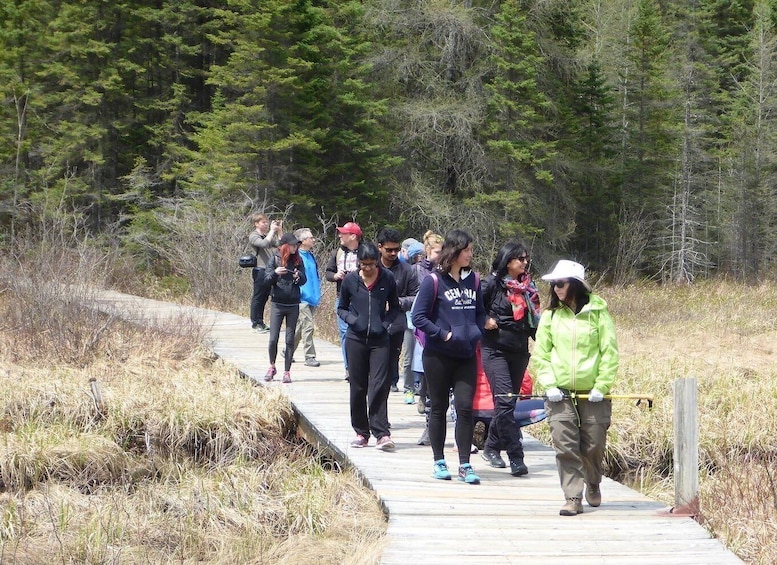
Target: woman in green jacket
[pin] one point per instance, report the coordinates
(576, 353)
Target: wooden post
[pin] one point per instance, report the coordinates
(686, 443)
(97, 396)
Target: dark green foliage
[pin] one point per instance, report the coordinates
(634, 135)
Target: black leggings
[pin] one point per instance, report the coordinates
(442, 374)
(291, 313)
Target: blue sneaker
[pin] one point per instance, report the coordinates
(441, 470)
(467, 474)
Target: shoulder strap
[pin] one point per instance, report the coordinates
(436, 283)
(339, 256)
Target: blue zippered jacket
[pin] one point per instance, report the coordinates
(365, 311)
(456, 307)
(311, 290)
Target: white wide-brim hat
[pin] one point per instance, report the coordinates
(566, 269)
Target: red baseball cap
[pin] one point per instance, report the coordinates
(351, 227)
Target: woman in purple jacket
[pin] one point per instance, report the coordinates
(449, 310)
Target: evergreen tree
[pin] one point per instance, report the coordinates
(747, 210)
(292, 123)
(429, 61)
(594, 185)
(648, 101)
(683, 249)
(22, 24)
(518, 136)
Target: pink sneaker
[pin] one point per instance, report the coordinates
(385, 444)
(286, 377)
(270, 373)
(360, 441)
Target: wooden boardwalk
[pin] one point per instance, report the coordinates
(502, 520)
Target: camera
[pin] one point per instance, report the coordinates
(247, 261)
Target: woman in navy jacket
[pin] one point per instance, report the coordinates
(369, 304)
(449, 310)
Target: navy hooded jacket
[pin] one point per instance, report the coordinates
(457, 307)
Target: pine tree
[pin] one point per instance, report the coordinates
(594, 184)
(22, 23)
(292, 122)
(747, 212)
(517, 134)
(648, 100)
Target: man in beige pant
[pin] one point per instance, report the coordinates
(310, 297)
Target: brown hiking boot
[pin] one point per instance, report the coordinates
(573, 507)
(593, 496)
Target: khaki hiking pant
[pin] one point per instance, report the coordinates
(579, 433)
(305, 330)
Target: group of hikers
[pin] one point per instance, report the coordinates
(424, 298)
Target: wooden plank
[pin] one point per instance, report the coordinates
(503, 520)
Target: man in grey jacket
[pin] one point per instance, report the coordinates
(264, 240)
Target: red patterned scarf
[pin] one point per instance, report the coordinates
(523, 297)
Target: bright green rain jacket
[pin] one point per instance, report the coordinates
(576, 352)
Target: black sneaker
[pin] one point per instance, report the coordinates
(394, 388)
(493, 458)
(518, 468)
(262, 328)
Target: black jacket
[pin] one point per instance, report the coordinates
(511, 335)
(365, 311)
(407, 288)
(285, 288)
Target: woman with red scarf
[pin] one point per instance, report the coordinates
(512, 312)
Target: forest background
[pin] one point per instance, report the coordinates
(637, 136)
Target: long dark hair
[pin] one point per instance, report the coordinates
(455, 242)
(576, 288)
(509, 251)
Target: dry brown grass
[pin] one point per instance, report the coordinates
(186, 463)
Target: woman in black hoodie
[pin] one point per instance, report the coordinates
(369, 304)
(285, 273)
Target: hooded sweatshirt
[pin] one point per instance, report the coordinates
(364, 309)
(456, 307)
(577, 352)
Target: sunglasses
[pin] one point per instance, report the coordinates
(523, 259)
(391, 249)
(559, 284)
(367, 266)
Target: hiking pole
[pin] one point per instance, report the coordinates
(638, 397)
